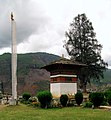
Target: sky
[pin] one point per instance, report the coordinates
(41, 24)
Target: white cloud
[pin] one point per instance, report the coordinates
(41, 24)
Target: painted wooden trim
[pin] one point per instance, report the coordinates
(62, 75)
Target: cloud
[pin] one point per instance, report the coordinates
(48, 41)
(107, 59)
(30, 19)
(41, 24)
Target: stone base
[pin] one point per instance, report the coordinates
(13, 101)
(57, 89)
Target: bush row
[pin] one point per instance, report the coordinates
(45, 98)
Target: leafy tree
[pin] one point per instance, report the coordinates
(82, 45)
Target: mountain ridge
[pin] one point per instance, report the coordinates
(29, 77)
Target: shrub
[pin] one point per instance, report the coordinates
(107, 95)
(88, 104)
(96, 98)
(109, 99)
(44, 98)
(70, 104)
(79, 98)
(63, 100)
(26, 96)
(104, 103)
(24, 101)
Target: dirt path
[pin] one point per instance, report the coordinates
(2, 106)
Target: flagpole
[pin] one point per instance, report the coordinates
(14, 61)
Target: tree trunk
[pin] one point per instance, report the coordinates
(83, 84)
(84, 88)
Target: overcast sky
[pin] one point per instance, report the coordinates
(41, 24)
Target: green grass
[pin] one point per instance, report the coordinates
(22, 112)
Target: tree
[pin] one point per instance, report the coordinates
(82, 45)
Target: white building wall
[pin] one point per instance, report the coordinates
(63, 88)
(55, 89)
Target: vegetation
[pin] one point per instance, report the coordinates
(109, 99)
(44, 98)
(1, 95)
(107, 95)
(107, 76)
(26, 96)
(88, 104)
(34, 61)
(96, 98)
(25, 64)
(82, 45)
(79, 98)
(63, 100)
(23, 112)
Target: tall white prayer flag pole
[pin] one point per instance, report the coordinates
(14, 60)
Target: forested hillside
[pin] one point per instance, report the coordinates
(107, 76)
(29, 77)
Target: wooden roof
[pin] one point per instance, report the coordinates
(65, 61)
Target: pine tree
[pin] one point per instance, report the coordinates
(82, 45)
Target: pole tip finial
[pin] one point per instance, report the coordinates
(12, 16)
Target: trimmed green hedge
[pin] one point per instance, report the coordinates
(63, 100)
(26, 96)
(96, 98)
(79, 98)
(44, 98)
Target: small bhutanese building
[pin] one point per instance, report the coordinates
(63, 76)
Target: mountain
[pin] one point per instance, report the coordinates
(30, 77)
(107, 76)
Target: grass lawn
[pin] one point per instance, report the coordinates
(22, 112)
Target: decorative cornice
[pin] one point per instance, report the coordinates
(62, 75)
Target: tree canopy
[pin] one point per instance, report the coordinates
(82, 45)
